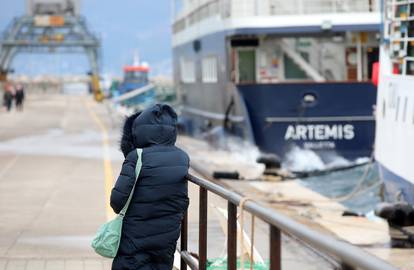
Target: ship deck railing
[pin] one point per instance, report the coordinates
(199, 11)
(346, 255)
(300, 7)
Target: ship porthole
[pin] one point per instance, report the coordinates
(309, 99)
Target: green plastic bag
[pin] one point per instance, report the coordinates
(221, 264)
(107, 239)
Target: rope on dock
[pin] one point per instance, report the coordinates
(241, 205)
(358, 188)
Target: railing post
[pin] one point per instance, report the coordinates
(184, 239)
(202, 234)
(275, 248)
(345, 266)
(231, 236)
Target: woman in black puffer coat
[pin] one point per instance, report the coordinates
(152, 223)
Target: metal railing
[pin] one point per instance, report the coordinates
(245, 8)
(194, 14)
(275, 7)
(347, 255)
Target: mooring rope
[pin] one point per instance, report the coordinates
(241, 205)
(358, 188)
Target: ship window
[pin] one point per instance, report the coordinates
(309, 99)
(245, 42)
(209, 66)
(398, 109)
(405, 109)
(187, 70)
(413, 115)
(292, 70)
(136, 76)
(384, 108)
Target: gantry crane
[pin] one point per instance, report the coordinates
(51, 26)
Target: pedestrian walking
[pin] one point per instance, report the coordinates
(8, 96)
(19, 97)
(152, 223)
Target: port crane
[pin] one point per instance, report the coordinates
(51, 26)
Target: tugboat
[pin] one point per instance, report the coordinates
(395, 120)
(135, 88)
(283, 74)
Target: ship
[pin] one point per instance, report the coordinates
(395, 105)
(395, 121)
(135, 89)
(281, 74)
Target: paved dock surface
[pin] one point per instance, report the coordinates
(58, 160)
(52, 191)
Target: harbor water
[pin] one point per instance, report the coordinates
(359, 188)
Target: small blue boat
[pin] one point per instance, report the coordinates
(136, 79)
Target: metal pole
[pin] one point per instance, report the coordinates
(359, 57)
(184, 239)
(231, 236)
(202, 234)
(275, 248)
(189, 259)
(173, 11)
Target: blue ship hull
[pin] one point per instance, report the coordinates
(126, 87)
(339, 121)
(274, 115)
(397, 188)
(147, 98)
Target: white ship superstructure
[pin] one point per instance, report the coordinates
(196, 18)
(395, 105)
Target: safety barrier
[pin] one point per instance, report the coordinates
(347, 255)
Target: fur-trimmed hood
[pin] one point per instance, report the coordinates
(127, 144)
(156, 125)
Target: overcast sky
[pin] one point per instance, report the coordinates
(124, 26)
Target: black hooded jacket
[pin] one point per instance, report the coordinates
(151, 225)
